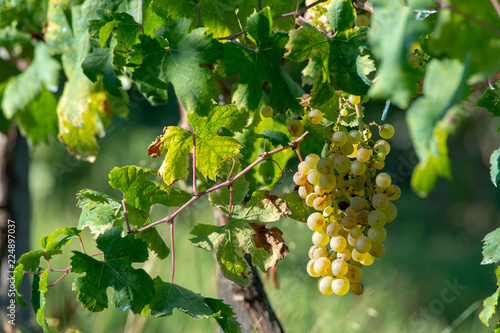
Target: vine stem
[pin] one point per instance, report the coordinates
(126, 215)
(227, 183)
(496, 5)
(195, 191)
(173, 251)
(486, 25)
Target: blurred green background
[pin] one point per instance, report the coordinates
(430, 279)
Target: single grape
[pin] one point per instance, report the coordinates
(357, 288)
(380, 201)
(299, 179)
(363, 244)
(327, 211)
(393, 192)
(328, 182)
(369, 259)
(378, 165)
(349, 222)
(356, 232)
(310, 199)
(354, 99)
(332, 230)
(347, 149)
(339, 138)
(338, 243)
(325, 166)
(362, 155)
(310, 268)
(377, 250)
(305, 190)
(344, 255)
(342, 164)
(316, 221)
(362, 216)
(344, 112)
(358, 203)
(303, 168)
(315, 116)
(296, 128)
(383, 143)
(319, 203)
(322, 265)
(325, 285)
(340, 286)
(339, 267)
(311, 161)
(362, 21)
(391, 213)
(266, 111)
(319, 238)
(354, 136)
(383, 180)
(313, 177)
(376, 219)
(377, 235)
(354, 274)
(358, 168)
(386, 131)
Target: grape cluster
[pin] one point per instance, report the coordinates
(353, 205)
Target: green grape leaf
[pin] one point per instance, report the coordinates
(491, 100)
(299, 210)
(341, 63)
(176, 58)
(279, 7)
(490, 303)
(38, 291)
(100, 62)
(133, 288)
(394, 30)
(495, 167)
(38, 120)
(211, 149)
(52, 245)
(98, 211)
(277, 138)
(25, 87)
(255, 66)
(121, 25)
(341, 15)
(491, 247)
(482, 52)
(18, 279)
(84, 108)
(308, 43)
(230, 242)
(169, 296)
(151, 20)
(141, 193)
(218, 16)
(444, 86)
(222, 197)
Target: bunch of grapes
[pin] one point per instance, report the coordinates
(353, 205)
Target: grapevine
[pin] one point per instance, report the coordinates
(257, 83)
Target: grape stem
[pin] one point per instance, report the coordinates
(227, 183)
(359, 116)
